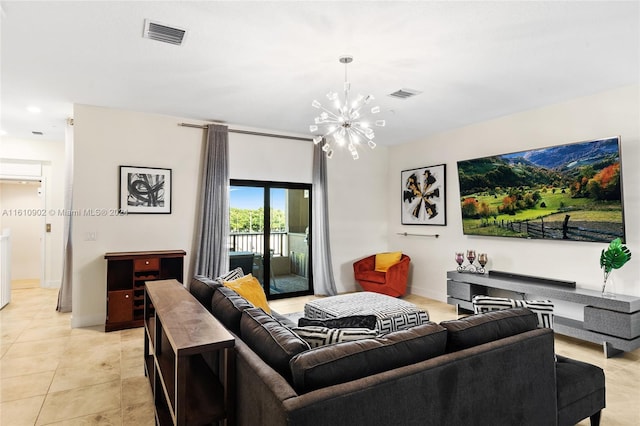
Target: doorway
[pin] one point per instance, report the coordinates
(272, 243)
(23, 215)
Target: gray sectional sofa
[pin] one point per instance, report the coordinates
(495, 369)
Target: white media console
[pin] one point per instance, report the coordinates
(612, 322)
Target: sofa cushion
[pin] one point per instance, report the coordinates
(319, 336)
(227, 306)
(352, 321)
(386, 260)
(482, 328)
(250, 288)
(343, 362)
(275, 343)
(372, 276)
(202, 289)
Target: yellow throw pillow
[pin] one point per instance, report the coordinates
(385, 260)
(250, 288)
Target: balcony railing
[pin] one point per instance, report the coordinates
(254, 242)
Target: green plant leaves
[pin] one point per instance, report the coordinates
(615, 256)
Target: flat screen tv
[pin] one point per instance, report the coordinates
(565, 192)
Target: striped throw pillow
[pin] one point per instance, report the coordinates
(317, 336)
(542, 308)
(234, 274)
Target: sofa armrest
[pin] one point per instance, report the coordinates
(400, 270)
(364, 265)
(260, 390)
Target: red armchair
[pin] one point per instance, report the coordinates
(392, 283)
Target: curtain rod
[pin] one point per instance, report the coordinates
(248, 132)
(418, 235)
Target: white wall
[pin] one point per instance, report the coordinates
(104, 140)
(358, 208)
(364, 211)
(107, 138)
(48, 155)
(615, 112)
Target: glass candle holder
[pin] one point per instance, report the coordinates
(471, 256)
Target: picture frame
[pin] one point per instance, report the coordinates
(424, 196)
(145, 190)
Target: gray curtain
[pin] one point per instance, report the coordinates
(323, 281)
(212, 256)
(66, 287)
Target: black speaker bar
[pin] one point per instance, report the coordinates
(533, 279)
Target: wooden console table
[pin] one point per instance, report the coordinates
(612, 322)
(178, 332)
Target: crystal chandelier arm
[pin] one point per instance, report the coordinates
(335, 118)
(331, 131)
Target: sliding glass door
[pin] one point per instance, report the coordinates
(272, 243)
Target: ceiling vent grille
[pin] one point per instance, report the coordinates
(404, 93)
(163, 33)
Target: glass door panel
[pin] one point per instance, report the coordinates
(289, 241)
(246, 233)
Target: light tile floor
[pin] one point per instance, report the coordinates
(51, 374)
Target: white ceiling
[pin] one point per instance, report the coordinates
(260, 64)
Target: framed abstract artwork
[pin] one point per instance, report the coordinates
(423, 196)
(145, 190)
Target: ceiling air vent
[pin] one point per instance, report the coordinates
(404, 93)
(163, 33)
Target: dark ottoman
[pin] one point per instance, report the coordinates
(580, 388)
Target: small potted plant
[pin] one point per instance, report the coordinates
(614, 257)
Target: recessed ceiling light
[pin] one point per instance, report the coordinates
(3, 132)
(33, 109)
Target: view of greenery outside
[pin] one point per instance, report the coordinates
(247, 220)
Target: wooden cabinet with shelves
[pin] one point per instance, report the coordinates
(186, 390)
(127, 273)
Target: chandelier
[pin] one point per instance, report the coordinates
(346, 124)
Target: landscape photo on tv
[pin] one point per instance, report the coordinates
(565, 192)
